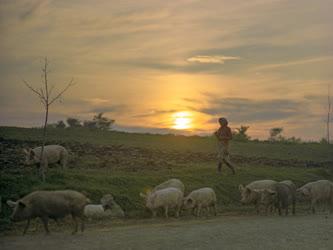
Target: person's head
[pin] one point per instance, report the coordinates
(223, 121)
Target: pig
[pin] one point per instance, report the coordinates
(98, 211)
(107, 201)
(251, 193)
(52, 154)
(116, 211)
(201, 198)
(280, 197)
(175, 183)
(49, 205)
(165, 198)
(316, 192)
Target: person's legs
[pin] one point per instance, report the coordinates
(226, 160)
(219, 167)
(219, 157)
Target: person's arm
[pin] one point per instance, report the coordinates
(217, 134)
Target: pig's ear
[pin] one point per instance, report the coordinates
(305, 191)
(11, 204)
(22, 204)
(241, 187)
(248, 190)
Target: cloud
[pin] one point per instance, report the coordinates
(109, 109)
(245, 110)
(150, 130)
(128, 53)
(211, 59)
(32, 8)
(293, 63)
(87, 106)
(154, 112)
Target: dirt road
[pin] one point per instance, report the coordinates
(224, 232)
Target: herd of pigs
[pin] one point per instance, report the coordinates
(268, 195)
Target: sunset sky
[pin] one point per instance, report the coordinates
(165, 66)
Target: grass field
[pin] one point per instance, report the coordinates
(304, 151)
(96, 171)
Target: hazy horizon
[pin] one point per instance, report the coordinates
(157, 66)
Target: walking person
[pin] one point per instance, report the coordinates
(224, 135)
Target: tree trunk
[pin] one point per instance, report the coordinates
(42, 165)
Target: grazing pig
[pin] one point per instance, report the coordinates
(175, 183)
(49, 205)
(251, 193)
(165, 198)
(51, 154)
(107, 201)
(280, 197)
(94, 211)
(317, 191)
(98, 211)
(201, 198)
(116, 211)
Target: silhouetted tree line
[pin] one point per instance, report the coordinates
(275, 135)
(99, 122)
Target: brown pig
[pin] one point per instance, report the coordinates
(49, 205)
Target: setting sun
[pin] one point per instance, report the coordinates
(182, 120)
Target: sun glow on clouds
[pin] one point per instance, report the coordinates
(211, 59)
(182, 120)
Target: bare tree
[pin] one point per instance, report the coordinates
(329, 110)
(45, 95)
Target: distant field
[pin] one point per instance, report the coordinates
(126, 164)
(306, 151)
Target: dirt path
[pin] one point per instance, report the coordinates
(226, 232)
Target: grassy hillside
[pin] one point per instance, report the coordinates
(305, 151)
(142, 161)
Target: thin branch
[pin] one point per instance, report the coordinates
(45, 79)
(71, 83)
(35, 91)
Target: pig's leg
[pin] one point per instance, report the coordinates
(178, 211)
(313, 204)
(45, 221)
(279, 208)
(166, 211)
(26, 227)
(215, 210)
(75, 224)
(198, 210)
